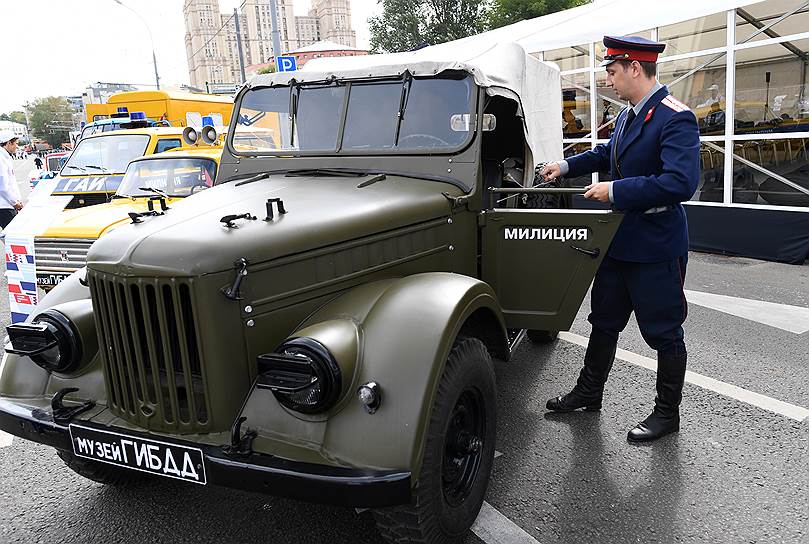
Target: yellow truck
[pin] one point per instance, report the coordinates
(152, 181)
(174, 107)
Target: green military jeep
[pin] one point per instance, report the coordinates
(321, 323)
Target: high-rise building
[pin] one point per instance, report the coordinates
(307, 28)
(210, 38)
(204, 43)
(334, 18)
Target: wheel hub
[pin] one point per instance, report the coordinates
(463, 447)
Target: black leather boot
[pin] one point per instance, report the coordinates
(590, 386)
(665, 418)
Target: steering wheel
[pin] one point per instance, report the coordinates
(429, 137)
(198, 185)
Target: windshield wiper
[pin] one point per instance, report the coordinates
(96, 167)
(335, 172)
(293, 111)
(155, 191)
(121, 195)
(403, 99)
(82, 168)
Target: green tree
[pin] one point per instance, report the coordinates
(51, 119)
(266, 70)
(506, 12)
(406, 24)
(17, 117)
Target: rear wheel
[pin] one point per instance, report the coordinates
(458, 454)
(100, 472)
(543, 337)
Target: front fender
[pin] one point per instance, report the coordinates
(406, 329)
(20, 377)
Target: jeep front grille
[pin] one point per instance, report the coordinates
(151, 352)
(61, 254)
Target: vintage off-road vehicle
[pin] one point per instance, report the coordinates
(321, 323)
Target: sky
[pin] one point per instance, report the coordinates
(59, 47)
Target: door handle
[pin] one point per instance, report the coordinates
(593, 253)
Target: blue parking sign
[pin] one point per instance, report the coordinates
(285, 64)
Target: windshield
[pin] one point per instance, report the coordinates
(175, 177)
(106, 154)
(409, 114)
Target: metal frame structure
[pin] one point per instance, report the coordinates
(716, 142)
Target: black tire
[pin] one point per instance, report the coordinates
(101, 472)
(451, 485)
(543, 337)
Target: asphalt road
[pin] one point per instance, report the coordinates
(735, 473)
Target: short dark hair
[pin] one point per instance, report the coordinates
(649, 69)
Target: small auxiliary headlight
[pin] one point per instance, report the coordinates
(302, 374)
(370, 396)
(50, 340)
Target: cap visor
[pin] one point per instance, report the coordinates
(607, 62)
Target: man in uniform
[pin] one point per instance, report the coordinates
(653, 156)
(10, 199)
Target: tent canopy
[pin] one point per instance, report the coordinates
(590, 22)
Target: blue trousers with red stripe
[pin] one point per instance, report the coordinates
(654, 291)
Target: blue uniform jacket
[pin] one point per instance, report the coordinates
(655, 167)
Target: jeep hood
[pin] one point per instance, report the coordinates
(191, 240)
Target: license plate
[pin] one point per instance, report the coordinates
(143, 454)
(50, 280)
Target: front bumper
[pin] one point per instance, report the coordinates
(251, 472)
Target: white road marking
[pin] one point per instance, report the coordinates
(5, 439)
(782, 316)
(764, 402)
(494, 528)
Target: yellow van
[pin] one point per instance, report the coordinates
(169, 176)
(173, 107)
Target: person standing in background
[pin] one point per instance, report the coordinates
(10, 198)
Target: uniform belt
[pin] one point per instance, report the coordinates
(659, 209)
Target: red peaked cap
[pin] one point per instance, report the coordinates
(631, 48)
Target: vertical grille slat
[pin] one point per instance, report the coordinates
(181, 344)
(154, 359)
(194, 355)
(165, 346)
(110, 349)
(104, 341)
(150, 351)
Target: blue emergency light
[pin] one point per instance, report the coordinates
(137, 116)
(122, 109)
(207, 121)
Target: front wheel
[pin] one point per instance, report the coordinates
(458, 454)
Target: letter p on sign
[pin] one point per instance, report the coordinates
(286, 64)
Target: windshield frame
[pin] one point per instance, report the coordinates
(135, 163)
(339, 151)
(94, 172)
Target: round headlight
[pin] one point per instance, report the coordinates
(66, 353)
(322, 382)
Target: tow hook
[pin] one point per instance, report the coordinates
(232, 292)
(240, 445)
(60, 413)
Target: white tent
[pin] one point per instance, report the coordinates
(590, 22)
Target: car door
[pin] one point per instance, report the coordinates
(540, 262)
